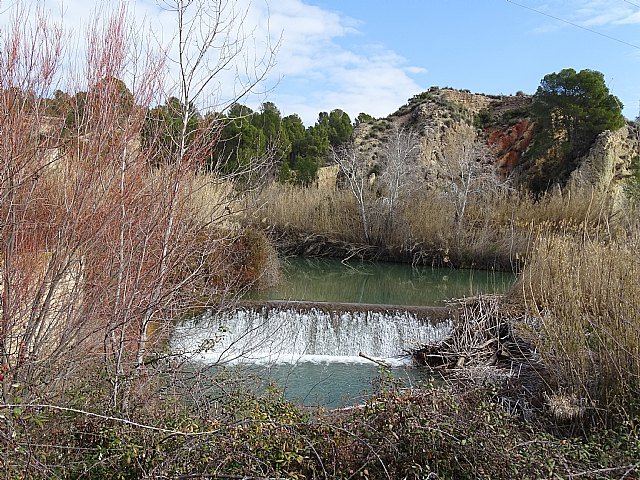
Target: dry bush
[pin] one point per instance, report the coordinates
(425, 227)
(99, 247)
(310, 210)
(496, 230)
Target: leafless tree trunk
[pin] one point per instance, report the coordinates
(399, 172)
(96, 243)
(469, 171)
(355, 172)
(28, 71)
(210, 39)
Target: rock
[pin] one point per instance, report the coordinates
(497, 129)
(606, 165)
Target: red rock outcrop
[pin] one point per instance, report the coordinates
(509, 143)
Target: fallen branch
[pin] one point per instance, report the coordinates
(382, 363)
(629, 470)
(227, 476)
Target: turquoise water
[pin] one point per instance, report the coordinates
(313, 356)
(330, 384)
(329, 280)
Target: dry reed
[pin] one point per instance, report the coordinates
(587, 294)
(496, 230)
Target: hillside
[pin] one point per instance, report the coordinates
(494, 132)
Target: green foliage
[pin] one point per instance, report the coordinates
(115, 93)
(163, 130)
(310, 148)
(307, 150)
(297, 151)
(453, 110)
(340, 128)
(432, 432)
(109, 94)
(422, 97)
(241, 141)
(59, 104)
(74, 112)
(570, 110)
(363, 118)
(513, 116)
(484, 118)
(269, 121)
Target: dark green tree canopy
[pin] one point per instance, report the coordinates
(570, 110)
(340, 127)
(241, 141)
(362, 118)
(116, 92)
(579, 104)
(163, 127)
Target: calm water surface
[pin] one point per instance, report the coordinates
(329, 280)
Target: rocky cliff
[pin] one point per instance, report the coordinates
(494, 131)
(606, 166)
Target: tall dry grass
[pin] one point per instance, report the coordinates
(586, 292)
(496, 231)
(311, 210)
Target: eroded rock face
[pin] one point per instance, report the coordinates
(497, 130)
(443, 139)
(508, 144)
(472, 102)
(606, 166)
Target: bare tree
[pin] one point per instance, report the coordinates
(28, 71)
(399, 172)
(356, 173)
(469, 170)
(99, 247)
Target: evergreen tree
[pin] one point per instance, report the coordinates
(163, 128)
(340, 128)
(570, 110)
(241, 140)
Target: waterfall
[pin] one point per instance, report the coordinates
(290, 336)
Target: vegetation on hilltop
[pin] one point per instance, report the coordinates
(570, 110)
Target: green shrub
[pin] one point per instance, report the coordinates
(437, 431)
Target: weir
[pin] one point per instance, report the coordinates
(307, 334)
(293, 332)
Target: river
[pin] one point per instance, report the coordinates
(312, 351)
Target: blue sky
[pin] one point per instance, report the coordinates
(372, 55)
(393, 50)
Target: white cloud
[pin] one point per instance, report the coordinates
(325, 56)
(416, 70)
(595, 13)
(323, 59)
(586, 13)
(633, 18)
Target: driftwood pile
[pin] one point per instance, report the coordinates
(291, 242)
(481, 336)
(483, 349)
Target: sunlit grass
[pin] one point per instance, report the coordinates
(587, 295)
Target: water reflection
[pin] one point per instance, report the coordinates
(329, 280)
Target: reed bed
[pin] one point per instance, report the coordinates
(495, 232)
(587, 295)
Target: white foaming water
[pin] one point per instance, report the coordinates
(289, 336)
